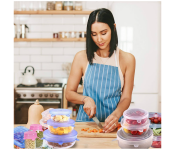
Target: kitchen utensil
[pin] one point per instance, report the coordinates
(62, 34)
(78, 5)
(60, 115)
(131, 129)
(23, 30)
(34, 113)
(82, 34)
(50, 5)
(97, 122)
(60, 141)
(163, 142)
(134, 142)
(15, 33)
(60, 128)
(68, 5)
(58, 5)
(72, 34)
(55, 35)
(28, 78)
(162, 118)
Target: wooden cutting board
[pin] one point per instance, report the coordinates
(92, 125)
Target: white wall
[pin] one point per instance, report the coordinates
(139, 32)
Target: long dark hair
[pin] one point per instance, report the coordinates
(105, 16)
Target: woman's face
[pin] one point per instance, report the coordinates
(101, 35)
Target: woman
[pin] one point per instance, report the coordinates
(107, 73)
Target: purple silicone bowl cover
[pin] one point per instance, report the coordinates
(61, 124)
(66, 112)
(60, 139)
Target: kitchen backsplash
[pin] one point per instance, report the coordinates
(48, 57)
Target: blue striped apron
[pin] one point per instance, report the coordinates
(101, 83)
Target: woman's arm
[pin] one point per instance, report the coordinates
(125, 99)
(80, 61)
(74, 80)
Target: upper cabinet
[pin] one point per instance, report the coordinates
(139, 33)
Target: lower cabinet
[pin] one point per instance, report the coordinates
(148, 102)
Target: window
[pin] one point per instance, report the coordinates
(126, 39)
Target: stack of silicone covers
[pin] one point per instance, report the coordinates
(60, 132)
(163, 126)
(135, 132)
(19, 142)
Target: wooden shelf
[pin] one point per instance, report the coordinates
(51, 40)
(52, 12)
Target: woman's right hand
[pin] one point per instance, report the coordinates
(89, 107)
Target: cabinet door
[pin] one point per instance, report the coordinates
(139, 33)
(148, 102)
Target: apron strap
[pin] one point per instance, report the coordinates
(115, 59)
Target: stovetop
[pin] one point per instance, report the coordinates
(42, 85)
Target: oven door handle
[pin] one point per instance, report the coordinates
(41, 102)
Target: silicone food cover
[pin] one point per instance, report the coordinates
(163, 142)
(162, 118)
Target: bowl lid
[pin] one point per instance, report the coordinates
(46, 112)
(35, 127)
(19, 144)
(60, 139)
(59, 111)
(43, 124)
(30, 135)
(140, 127)
(135, 114)
(134, 138)
(61, 124)
(20, 129)
(161, 115)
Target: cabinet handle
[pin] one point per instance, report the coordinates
(132, 102)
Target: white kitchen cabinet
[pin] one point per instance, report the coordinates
(139, 33)
(148, 102)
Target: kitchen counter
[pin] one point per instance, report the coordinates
(92, 143)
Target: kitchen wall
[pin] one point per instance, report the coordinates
(47, 57)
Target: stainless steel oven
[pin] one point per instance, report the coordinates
(47, 91)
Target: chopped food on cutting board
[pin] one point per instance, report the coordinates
(96, 130)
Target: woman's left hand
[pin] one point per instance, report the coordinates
(111, 123)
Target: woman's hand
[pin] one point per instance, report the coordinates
(111, 123)
(89, 107)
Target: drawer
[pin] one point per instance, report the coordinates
(148, 102)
